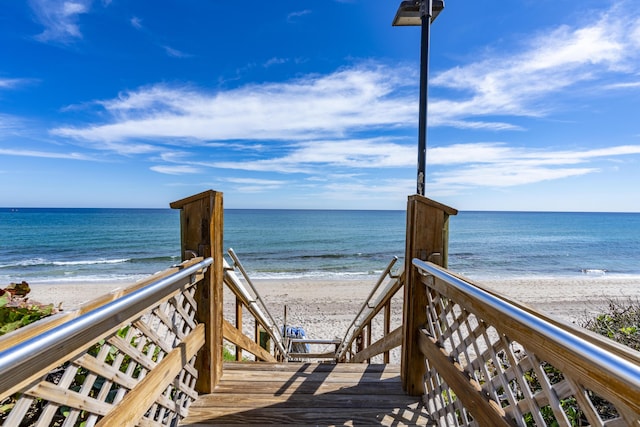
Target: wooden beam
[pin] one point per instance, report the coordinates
(387, 327)
(386, 343)
(485, 411)
(201, 228)
(230, 333)
(238, 326)
(426, 239)
(137, 402)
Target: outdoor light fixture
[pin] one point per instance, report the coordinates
(408, 13)
(422, 13)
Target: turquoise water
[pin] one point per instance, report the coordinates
(49, 245)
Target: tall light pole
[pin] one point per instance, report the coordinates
(420, 13)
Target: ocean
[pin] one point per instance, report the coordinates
(98, 245)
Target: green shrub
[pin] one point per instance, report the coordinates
(621, 322)
(17, 311)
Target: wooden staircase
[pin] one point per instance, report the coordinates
(308, 394)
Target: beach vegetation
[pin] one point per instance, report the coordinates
(620, 322)
(16, 310)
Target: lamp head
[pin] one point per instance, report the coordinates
(409, 12)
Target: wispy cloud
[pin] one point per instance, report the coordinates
(453, 167)
(308, 108)
(255, 185)
(275, 61)
(136, 23)
(175, 169)
(624, 85)
(293, 16)
(310, 157)
(521, 84)
(508, 85)
(320, 123)
(498, 165)
(175, 53)
(59, 18)
(13, 83)
(44, 154)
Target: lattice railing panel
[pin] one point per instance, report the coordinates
(478, 362)
(87, 387)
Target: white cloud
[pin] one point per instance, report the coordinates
(255, 181)
(136, 23)
(175, 52)
(497, 165)
(275, 61)
(304, 157)
(504, 175)
(12, 83)
(44, 154)
(339, 104)
(316, 123)
(59, 18)
(255, 185)
(175, 169)
(624, 85)
(8, 122)
(522, 83)
(312, 107)
(295, 15)
(450, 169)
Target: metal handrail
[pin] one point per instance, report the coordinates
(35, 354)
(258, 311)
(619, 367)
(387, 272)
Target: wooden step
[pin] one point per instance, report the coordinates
(308, 394)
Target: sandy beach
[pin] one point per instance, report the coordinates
(326, 308)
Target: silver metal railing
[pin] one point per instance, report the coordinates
(35, 353)
(605, 360)
(367, 305)
(255, 303)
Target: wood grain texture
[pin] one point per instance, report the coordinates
(388, 342)
(136, 403)
(235, 336)
(308, 394)
(478, 402)
(425, 239)
(201, 231)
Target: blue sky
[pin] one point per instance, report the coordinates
(533, 105)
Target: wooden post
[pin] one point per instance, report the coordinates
(387, 327)
(427, 239)
(238, 327)
(201, 229)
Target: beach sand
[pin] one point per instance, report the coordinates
(326, 308)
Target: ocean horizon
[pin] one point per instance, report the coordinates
(60, 245)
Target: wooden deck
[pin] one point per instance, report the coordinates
(308, 394)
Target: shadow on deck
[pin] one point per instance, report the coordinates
(308, 394)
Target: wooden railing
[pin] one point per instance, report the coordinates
(137, 356)
(140, 356)
(370, 333)
(126, 358)
(492, 361)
